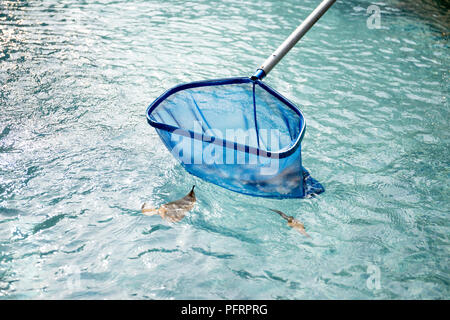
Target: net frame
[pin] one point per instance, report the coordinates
(294, 149)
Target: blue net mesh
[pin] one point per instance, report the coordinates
(237, 133)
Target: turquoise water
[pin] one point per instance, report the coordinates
(77, 158)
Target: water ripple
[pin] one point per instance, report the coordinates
(77, 158)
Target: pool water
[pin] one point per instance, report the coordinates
(77, 157)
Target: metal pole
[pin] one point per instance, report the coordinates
(292, 39)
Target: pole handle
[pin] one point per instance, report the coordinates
(292, 40)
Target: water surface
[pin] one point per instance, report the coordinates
(77, 158)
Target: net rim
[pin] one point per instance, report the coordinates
(222, 142)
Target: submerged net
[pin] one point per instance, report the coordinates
(237, 133)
